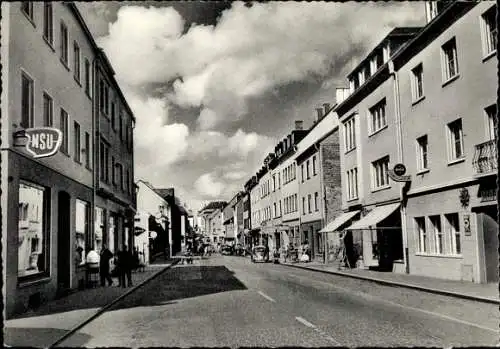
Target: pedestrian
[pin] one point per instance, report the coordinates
(129, 265)
(105, 256)
(121, 266)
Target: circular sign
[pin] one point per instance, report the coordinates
(152, 234)
(399, 169)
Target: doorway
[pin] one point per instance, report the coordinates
(490, 233)
(63, 241)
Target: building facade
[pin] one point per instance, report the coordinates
(50, 65)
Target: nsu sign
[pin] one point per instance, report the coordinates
(42, 141)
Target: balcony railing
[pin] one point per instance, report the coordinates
(485, 157)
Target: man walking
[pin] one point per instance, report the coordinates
(106, 256)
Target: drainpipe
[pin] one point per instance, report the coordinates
(402, 186)
(94, 162)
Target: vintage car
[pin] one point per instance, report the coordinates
(226, 250)
(259, 254)
(239, 250)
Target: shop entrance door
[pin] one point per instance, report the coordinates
(63, 241)
(490, 231)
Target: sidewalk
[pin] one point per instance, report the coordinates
(51, 320)
(488, 293)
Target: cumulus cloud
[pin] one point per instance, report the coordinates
(208, 185)
(250, 51)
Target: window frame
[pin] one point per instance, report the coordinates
(438, 234)
(377, 177)
(31, 101)
(445, 61)
(29, 12)
(45, 228)
(316, 199)
(86, 230)
(48, 23)
(64, 43)
(352, 184)
(88, 77)
(488, 37)
(88, 151)
(452, 156)
(453, 235)
(422, 235)
(64, 127)
(350, 134)
(314, 165)
(378, 119)
(77, 145)
(417, 83)
(422, 156)
(491, 115)
(77, 62)
(48, 118)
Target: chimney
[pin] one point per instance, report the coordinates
(319, 115)
(327, 108)
(298, 124)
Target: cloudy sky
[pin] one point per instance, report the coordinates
(215, 85)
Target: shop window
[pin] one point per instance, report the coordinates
(33, 248)
(438, 234)
(82, 230)
(422, 234)
(454, 233)
(99, 228)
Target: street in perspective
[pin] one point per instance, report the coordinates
(249, 174)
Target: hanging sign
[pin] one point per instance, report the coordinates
(397, 173)
(43, 141)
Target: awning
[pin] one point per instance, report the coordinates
(339, 221)
(375, 216)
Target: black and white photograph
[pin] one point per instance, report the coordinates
(249, 174)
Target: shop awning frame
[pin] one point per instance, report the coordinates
(377, 215)
(339, 221)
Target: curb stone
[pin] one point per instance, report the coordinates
(399, 284)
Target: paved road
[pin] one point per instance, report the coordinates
(228, 301)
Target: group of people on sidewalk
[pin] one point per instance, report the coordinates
(125, 261)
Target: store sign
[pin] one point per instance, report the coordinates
(397, 178)
(43, 141)
(399, 169)
(467, 225)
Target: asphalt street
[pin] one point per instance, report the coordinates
(230, 301)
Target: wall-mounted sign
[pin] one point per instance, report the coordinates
(399, 169)
(467, 225)
(397, 178)
(43, 141)
(464, 197)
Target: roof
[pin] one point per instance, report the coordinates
(164, 192)
(214, 205)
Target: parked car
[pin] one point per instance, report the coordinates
(259, 254)
(226, 250)
(239, 250)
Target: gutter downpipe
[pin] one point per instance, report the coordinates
(94, 156)
(402, 185)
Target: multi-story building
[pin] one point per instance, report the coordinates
(249, 214)
(50, 63)
(177, 222)
(205, 215)
(229, 221)
(447, 81)
(239, 228)
(368, 129)
(318, 159)
(153, 214)
(217, 232)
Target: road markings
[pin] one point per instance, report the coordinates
(304, 322)
(370, 297)
(266, 296)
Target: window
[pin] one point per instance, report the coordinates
(113, 116)
(274, 183)
(120, 125)
(128, 182)
(492, 116)
(99, 228)
(302, 171)
(316, 208)
(48, 22)
(489, 25)
(104, 97)
(48, 110)
(104, 157)
(64, 118)
(422, 153)
(82, 217)
(352, 183)
(87, 77)
(417, 82)
(303, 205)
(33, 248)
(454, 233)
(432, 10)
(314, 165)
(77, 145)
(438, 234)
(120, 177)
(349, 134)
(295, 203)
(275, 210)
(377, 116)
(27, 102)
(422, 234)
(113, 173)
(455, 137)
(309, 203)
(27, 8)
(281, 212)
(450, 61)
(380, 173)
(64, 44)
(307, 169)
(76, 61)
(87, 150)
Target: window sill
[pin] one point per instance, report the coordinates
(88, 95)
(65, 64)
(452, 256)
(421, 172)
(418, 100)
(378, 131)
(450, 80)
(77, 81)
(27, 283)
(349, 150)
(456, 161)
(352, 199)
(78, 161)
(489, 55)
(385, 187)
(49, 44)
